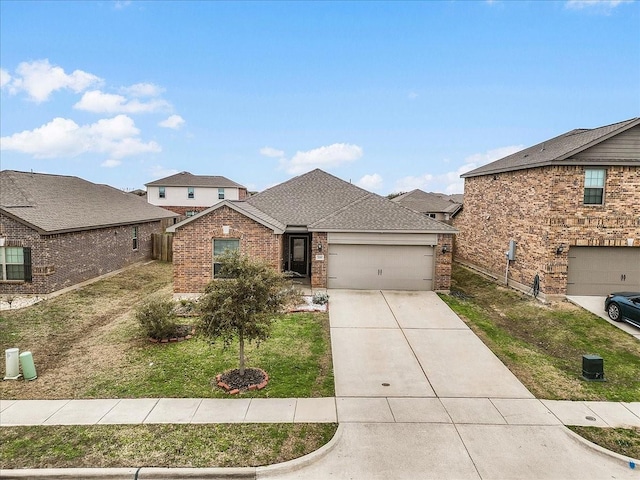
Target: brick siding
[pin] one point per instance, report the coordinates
(193, 246)
(442, 278)
(319, 267)
(542, 208)
(62, 260)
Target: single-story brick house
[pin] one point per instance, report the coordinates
(322, 228)
(569, 205)
(57, 231)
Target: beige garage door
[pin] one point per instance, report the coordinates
(380, 267)
(602, 270)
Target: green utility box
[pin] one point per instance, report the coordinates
(28, 367)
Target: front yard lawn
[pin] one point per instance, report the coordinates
(87, 344)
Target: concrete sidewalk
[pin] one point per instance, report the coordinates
(480, 411)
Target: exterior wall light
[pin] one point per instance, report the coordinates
(560, 249)
(319, 247)
(445, 248)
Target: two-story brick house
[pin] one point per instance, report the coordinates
(187, 194)
(57, 231)
(570, 207)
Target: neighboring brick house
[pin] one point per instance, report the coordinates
(187, 194)
(318, 227)
(571, 205)
(57, 231)
(435, 205)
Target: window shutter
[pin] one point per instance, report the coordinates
(27, 264)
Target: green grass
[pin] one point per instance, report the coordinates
(543, 344)
(296, 357)
(241, 445)
(622, 440)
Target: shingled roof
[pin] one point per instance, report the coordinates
(320, 201)
(186, 179)
(425, 202)
(307, 198)
(58, 204)
(559, 150)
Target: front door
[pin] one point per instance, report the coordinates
(299, 255)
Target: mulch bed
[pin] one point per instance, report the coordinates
(181, 333)
(234, 383)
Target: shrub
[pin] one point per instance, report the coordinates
(320, 298)
(156, 318)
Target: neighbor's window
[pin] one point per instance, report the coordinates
(15, 263)
(221, 194)
(134, 237)
(221, 245)
(191, 192)
(190, 213)
(594, 186)
(161, 192)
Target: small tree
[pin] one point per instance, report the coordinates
(243, 301)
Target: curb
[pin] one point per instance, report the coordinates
(601, 450)
(156, 473)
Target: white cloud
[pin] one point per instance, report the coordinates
(271, 152)
(5, 78)
(450, 182)
(99, 102)
(120, 4)
(111, 163)
(412, 95)
(174, 122)
(601, 5)
(39, 79)
(370, 182)
(117, 137)
(143, 90)
(323, 157)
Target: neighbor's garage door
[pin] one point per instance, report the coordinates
(380, 267)
(602, 270)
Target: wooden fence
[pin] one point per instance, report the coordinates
(162, 246)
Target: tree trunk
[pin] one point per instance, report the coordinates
(241, 354)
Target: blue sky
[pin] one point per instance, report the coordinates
(390, 95)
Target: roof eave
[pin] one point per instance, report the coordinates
(277, 229)
(551, 163)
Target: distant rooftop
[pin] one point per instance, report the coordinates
(186, 179)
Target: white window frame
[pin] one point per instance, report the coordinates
(590, 184)
(191, 192)
(162, 192)
(4, 264)
(220, 193)
(134, 238)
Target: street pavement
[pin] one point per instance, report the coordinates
(418, 395)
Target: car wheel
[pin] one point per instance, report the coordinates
(614, 312)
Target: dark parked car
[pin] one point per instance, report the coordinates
(624, 307)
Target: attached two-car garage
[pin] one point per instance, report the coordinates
(602, 270)
(377, 261)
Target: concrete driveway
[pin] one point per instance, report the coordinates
(451, 409)
(595, 304)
